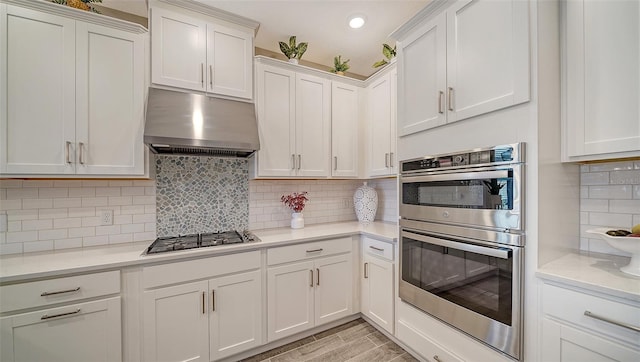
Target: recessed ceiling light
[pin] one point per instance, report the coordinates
(356, 21)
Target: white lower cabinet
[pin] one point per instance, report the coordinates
(376, 301)
(204, 320)
(73, 330)
(310, 289)
(569, 334)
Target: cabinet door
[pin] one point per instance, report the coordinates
(176, 323)
(562, 343)
(313, 124)
(229, 62)
(178, 50)
(334, 289)
(344, 130)
(487, 56)
(290, 299)
(377, 291)
(81, 332)
(380, 126)
(602, 77)
(235, 321)
(37, 92)
(422, 82)
(275, 96)
(109, 102)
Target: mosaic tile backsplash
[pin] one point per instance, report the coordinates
(609, 197)
(201, 194)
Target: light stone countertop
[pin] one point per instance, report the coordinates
(596, 272)
(22, 267)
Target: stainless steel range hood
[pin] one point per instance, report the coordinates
(194, 124)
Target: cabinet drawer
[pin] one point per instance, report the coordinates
(378, 248)
(60, 290)
(423, 344)
(185, 271)
(315, 249)
(570, 306)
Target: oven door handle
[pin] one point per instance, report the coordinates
(457, 176)
(501, 253)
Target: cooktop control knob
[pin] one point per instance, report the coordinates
(458, 159)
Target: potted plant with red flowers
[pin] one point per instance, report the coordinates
(296, 202)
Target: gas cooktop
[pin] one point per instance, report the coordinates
(193, 241)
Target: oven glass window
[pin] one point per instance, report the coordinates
(477, 282)
(489, 193)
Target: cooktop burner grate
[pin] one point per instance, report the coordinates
(184, 242)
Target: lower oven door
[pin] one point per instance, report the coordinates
(472, 285)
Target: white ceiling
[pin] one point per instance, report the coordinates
(321, 23)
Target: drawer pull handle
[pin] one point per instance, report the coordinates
(450, 94)
(318, 281)
(67, 152)
(314, 250)
(311, 278)
(46, 316)
(440, 97)
(213, 300)
(44, 294)
(605, 319)
(436, 358)
(204, 310)
(376, 249)
(366, 269)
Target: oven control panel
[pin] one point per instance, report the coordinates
(476, 157)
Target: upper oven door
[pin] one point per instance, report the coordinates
(489, 197)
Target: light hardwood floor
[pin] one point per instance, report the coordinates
(353, 341)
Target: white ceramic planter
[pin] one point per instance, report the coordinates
(297, 220)
(365, 201)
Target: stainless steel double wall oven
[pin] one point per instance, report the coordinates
(462, 241)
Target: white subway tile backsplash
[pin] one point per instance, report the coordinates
(95, 201)
(67, 202)
(132, 191)
(13, 248)
(81, 232)
(22, 236)
(146, 236)
(594, 205)
(65, 223)
(610, 192)
(611, 166)
(625, 206)
(10, 184)
(132, 209)
(594, 178)
(28, 225)
(67, 183)
(82, 211)
(144, 200)
(67, 243)
(15, 194)
(120, 238)
(10, 205)
(95, 183)
(120, 200)
(95, 240)
(37, 183)
(52, 213)
(137, 219)
(52, 234)
(122, 219)
(35, 246)
(120, 183)
(620, 192)
(90, 221)
(132, 228)
(108, 191)
(13, 226)
(107, 230)
(82, 192)
(3, 194)
(13, 215)
(625, 177)
(53, 193)
(37, 203)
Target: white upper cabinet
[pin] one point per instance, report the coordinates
(294, 123)
(191, 53)
(109, 109)
(344, 130)
(86, 117)
(486, 51)
(382, 125)
(601, 80)
(37, 121)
